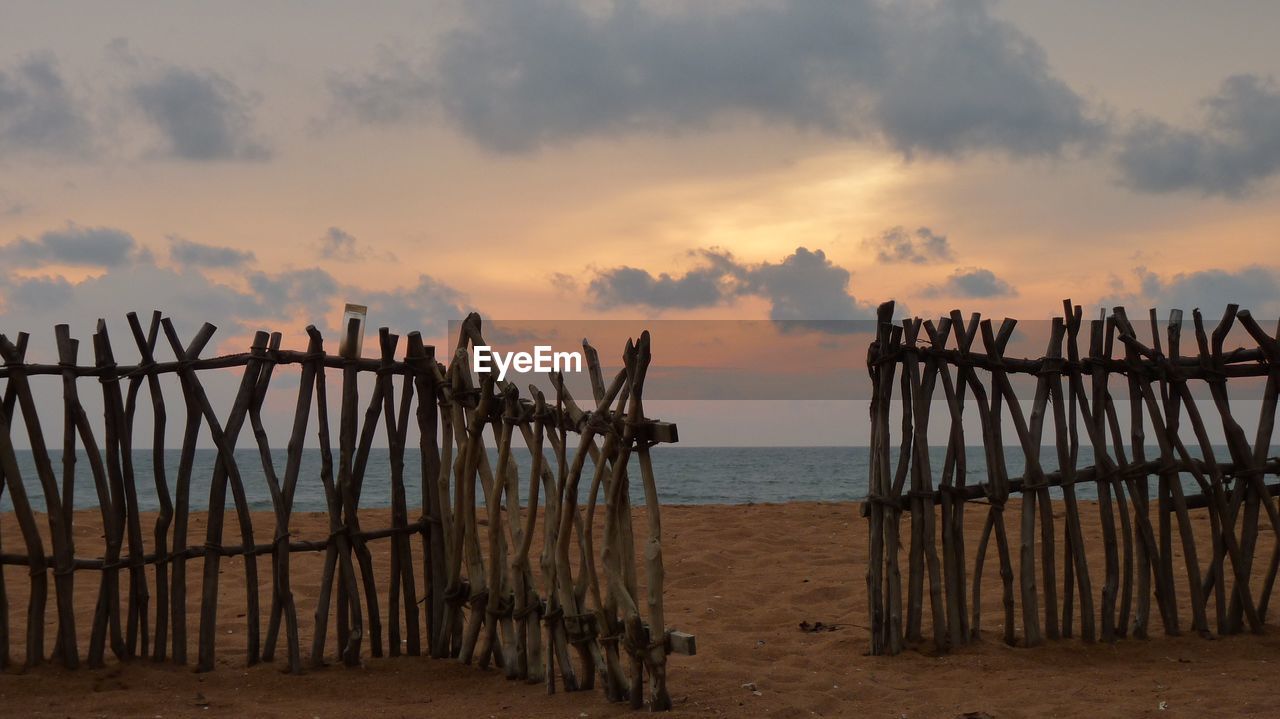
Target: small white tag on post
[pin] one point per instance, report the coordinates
(358, 313)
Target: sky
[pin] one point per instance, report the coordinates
(258, 165)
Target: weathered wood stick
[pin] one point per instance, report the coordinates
(38, 595)
(953, 471)
(281, 596)
(908, 467)
(656, 651)
(4, 595)
(350, 488)
(68, 655)
(617, 555)
(557, 637)
(434, 551)
(877, 495)
(401, 557)
(576, 626)
(1266, 425)
(225, 472)
(528, 610)
(1164, 499)
(502, 647)
(164, 518)
(473, 447)
(182, 499)
(609, 630)
(996, 488)
(1148, 551)
(1109, 422)
(462, 543)
(1067, 444)
(119, 439)
(923, 530)
(338, 552)
(347, 492)
(117, 507)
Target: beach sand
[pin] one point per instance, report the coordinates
(742, 579)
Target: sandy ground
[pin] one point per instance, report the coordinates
(742, 579)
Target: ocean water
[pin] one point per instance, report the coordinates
(685, 475)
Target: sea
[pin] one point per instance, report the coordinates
(685, 475)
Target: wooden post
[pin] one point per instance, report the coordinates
(338, 550)
(36, 562)
(225, 471)
(164, 518)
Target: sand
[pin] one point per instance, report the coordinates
(742, 579)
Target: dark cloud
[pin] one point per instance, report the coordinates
(338, 244)
(1237, 147)
(631, 286)
(132, 281)
(200, 115)
(919, 247)
(38, 112)
(803, 287)
(973, 282)
(395, 90)
(73, 245)
(943, 80)
(427, 306)
(806, 286)
(40, 293)
(12, 208)
(36, 305)
(958, 79)
(564, 283)
(198, 255)
(1254, 287)
(282, 292)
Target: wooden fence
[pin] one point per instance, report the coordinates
(475, 596)
(1137, 529)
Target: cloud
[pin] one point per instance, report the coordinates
(624, 285)
(132, 281)
(973, 282)
(195, 254)
(200, 115)
(940, 80)
(564, 283)
(961, 80)
(190, 297)
(293, 288)
(918, 247)
(338, 244)
(36, 304)
(73, 245)
(395, 90)
(11, 207)
(40, 293)
(1254, 287)
(38, 112)
(1236, 148)
(427, 306)
(804, 286)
